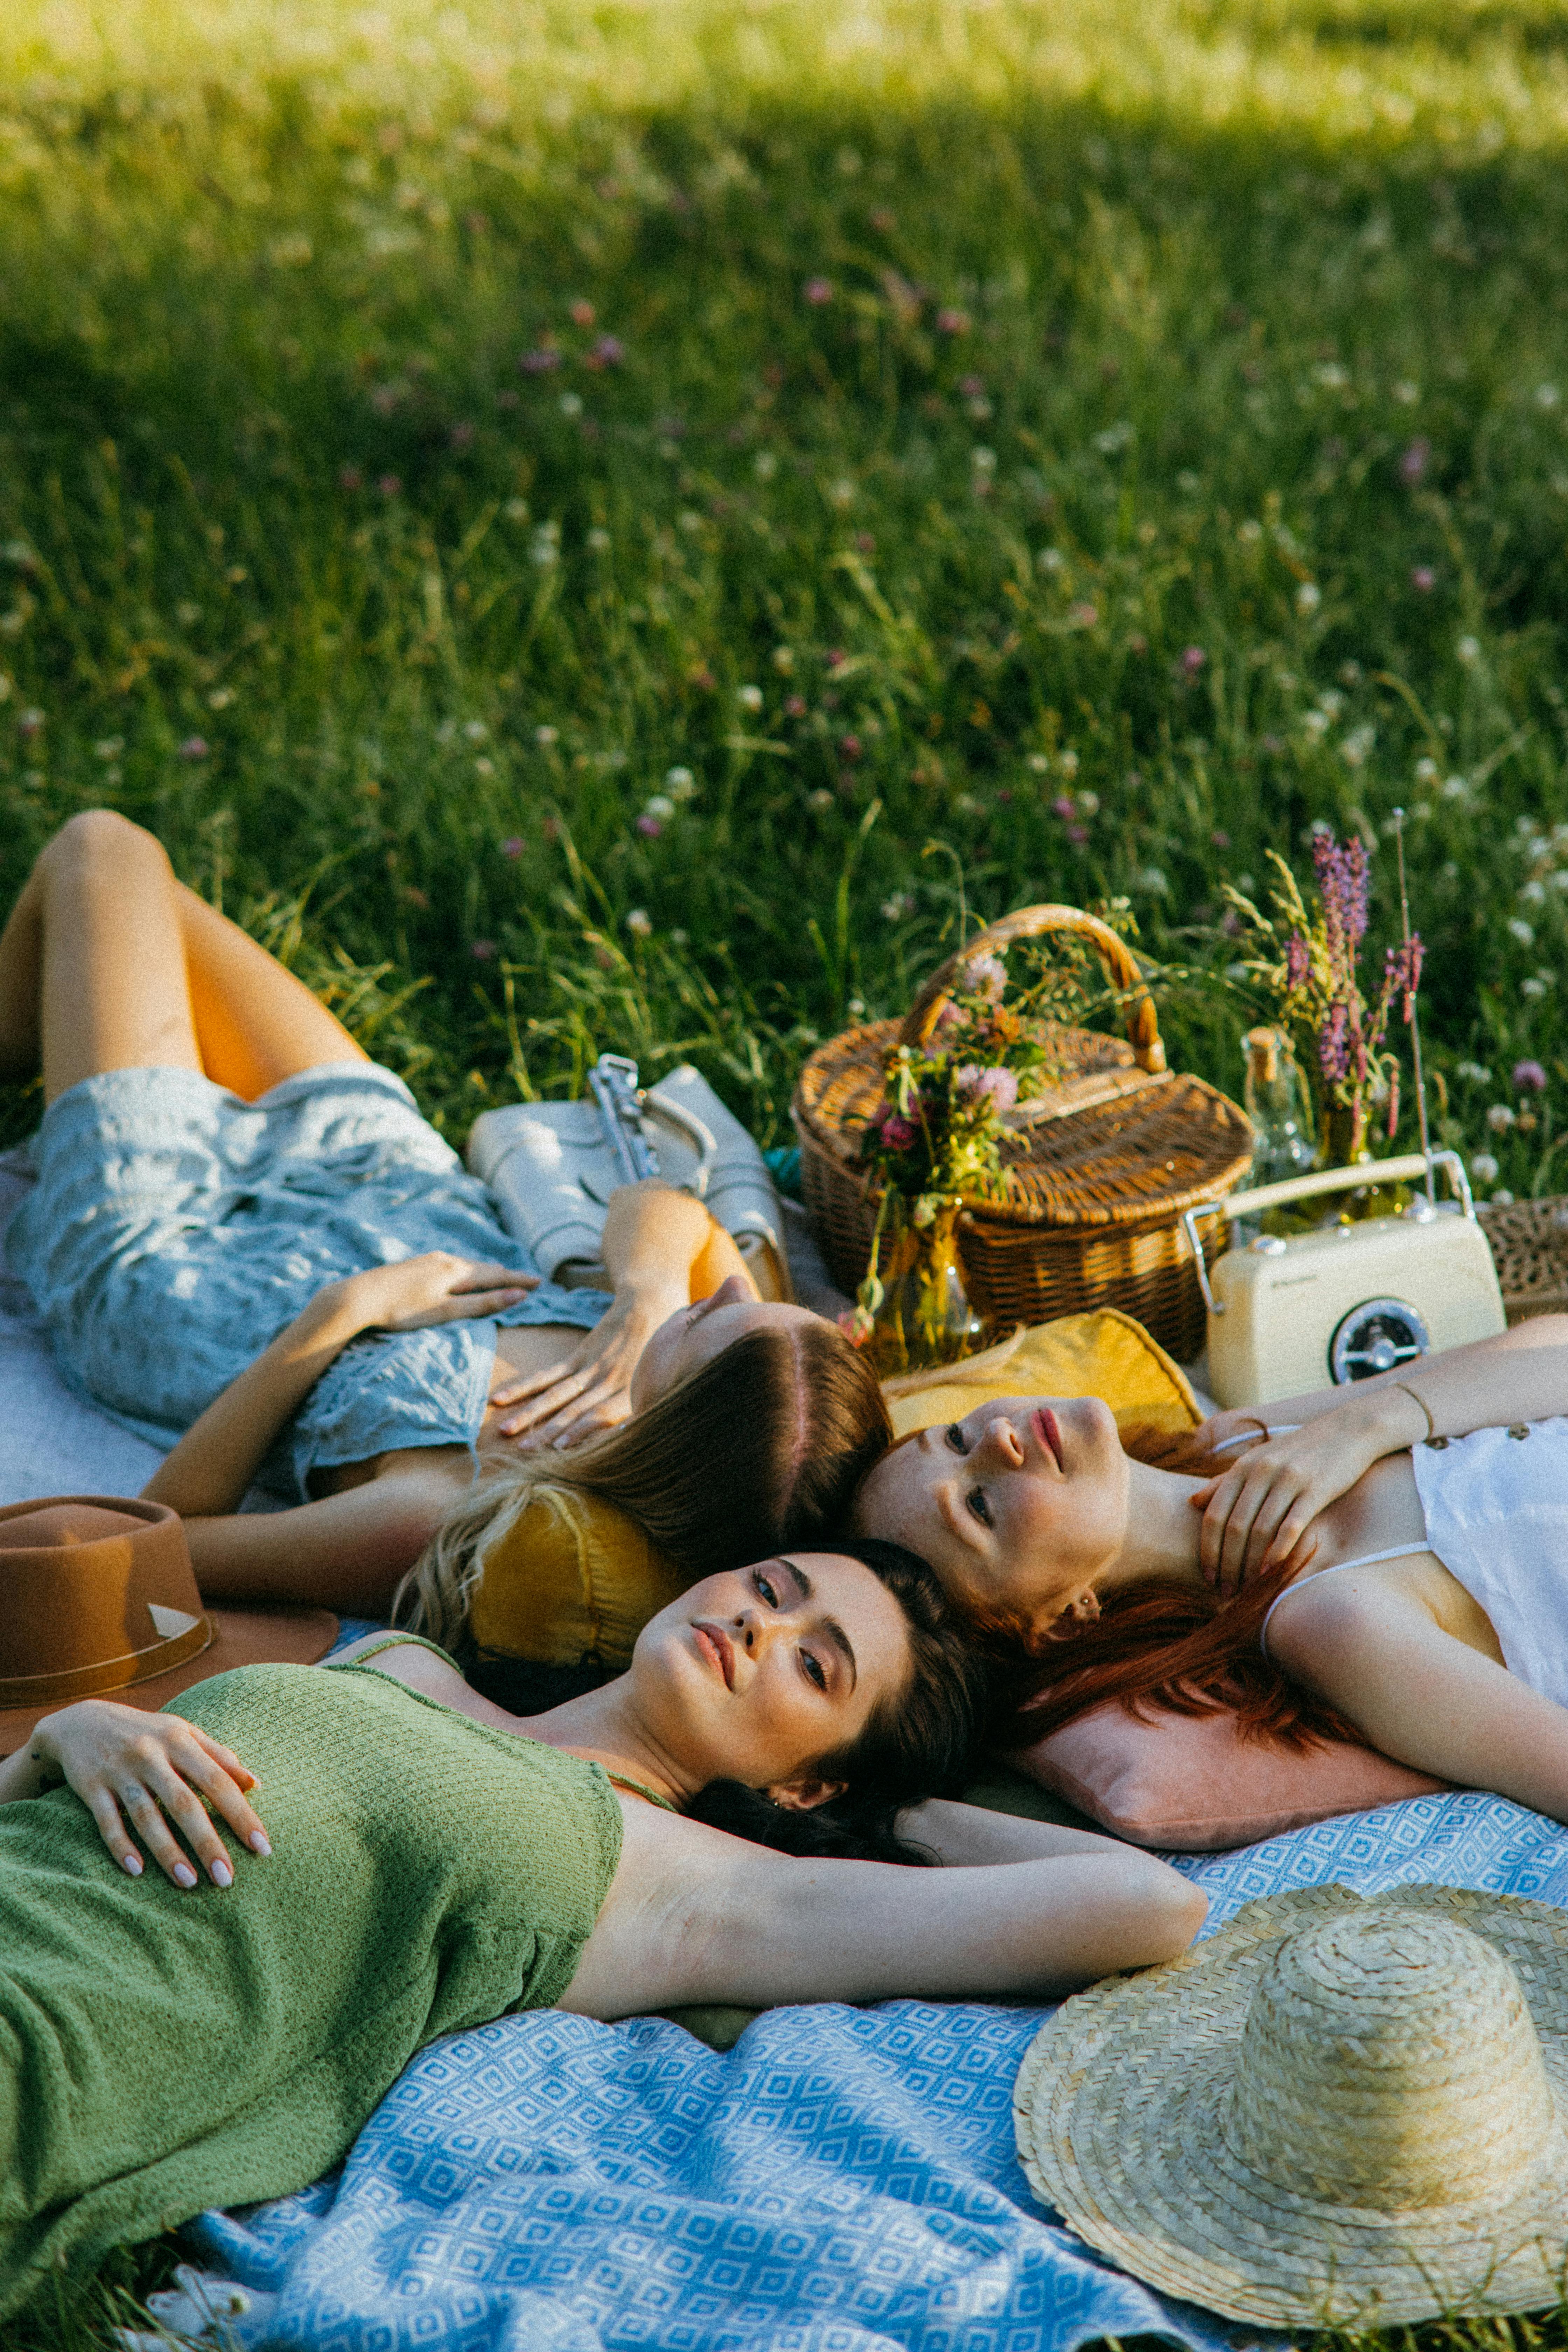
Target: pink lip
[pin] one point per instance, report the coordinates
(1048, 1434)
(715, 1642)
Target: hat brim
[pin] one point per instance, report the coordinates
(1119, 2110)
(241, 1637)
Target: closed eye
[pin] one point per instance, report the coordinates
(977, 1501)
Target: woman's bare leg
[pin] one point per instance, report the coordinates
(92, 966)
(256, 1024)
(109, 964)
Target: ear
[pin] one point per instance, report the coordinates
(805, 1795)
(1082, 1609)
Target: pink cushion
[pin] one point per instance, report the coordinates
(1190, 1782)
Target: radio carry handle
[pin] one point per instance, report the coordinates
(1236, 1205)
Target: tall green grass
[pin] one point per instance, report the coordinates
(1172, 459)
(1041, 452)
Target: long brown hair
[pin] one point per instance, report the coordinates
(759, 1451)
(1158, 1645)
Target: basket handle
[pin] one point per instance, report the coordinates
(1029, 922)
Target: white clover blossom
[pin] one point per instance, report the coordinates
(1483, 1167)
(1308, 596)
(750, 697)
(1476, 1074)
(639, 922)
(1519, 930)
(1500, 1117)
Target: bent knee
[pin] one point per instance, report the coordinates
(100, 841)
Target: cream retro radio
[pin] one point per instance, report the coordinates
(1347, 1301)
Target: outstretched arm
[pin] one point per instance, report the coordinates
(348, 1550)
(662, 1250)
(1257, 1512)
(695, 1915)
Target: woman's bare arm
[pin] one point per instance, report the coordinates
(695, 1915)
(662, 1250)
(210, 1469)
(961, 1836)
(1420, 1696)
(1257, 1512)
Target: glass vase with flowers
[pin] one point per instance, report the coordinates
(936, 1141)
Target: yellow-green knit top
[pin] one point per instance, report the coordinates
(163, 2052)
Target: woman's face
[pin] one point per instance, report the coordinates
(1020, 1507)
(694, 1335)
(758, 1673)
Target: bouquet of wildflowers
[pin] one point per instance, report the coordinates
(935, 1141)
(1309, 960)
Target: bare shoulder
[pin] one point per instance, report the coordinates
(420, 1669)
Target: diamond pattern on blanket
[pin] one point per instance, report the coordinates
(843, 2180)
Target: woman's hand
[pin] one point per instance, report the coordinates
(157, 1768)
(591, 1390)
(1256, 1514)
(414, 1292)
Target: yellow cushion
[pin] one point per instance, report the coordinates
(571, 1579)
(1105, 1354)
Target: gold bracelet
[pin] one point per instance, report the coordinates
(1431, 1424)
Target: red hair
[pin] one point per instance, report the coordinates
(1164, 1646)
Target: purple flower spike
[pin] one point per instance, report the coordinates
(194, 747)
(898, 1134)
(1297, 963)
(1343, 882)
(1531, 1076)
(1333, 1046)
(818, 290)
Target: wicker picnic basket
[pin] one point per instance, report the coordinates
(1100, 1168)
(1529, 1246)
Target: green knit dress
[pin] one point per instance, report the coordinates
(163, 2052)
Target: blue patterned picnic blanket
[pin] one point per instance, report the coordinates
(843, 2180)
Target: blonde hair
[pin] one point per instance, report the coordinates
(759, 1450)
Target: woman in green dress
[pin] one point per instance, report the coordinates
(350, 1861)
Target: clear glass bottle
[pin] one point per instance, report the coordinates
(1276, 1104)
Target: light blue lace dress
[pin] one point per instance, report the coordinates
(174, 1230)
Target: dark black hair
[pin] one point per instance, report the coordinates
(918, 1744)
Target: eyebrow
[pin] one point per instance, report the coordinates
(830, 1626)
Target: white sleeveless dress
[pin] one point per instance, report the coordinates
(1496, 1504)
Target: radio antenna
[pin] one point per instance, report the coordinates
(1415, 1005)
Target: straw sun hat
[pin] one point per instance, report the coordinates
(97, 1600)
(1334, 2112)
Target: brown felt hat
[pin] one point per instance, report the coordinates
(99, 1599)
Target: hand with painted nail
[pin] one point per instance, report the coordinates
(153, 1771)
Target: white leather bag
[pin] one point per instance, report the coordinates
(551, 1167)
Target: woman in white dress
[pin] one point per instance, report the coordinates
(1387, 1561)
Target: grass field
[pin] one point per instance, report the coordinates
(624, 528)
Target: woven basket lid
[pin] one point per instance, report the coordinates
(1333, 2113)
(1114, 1139)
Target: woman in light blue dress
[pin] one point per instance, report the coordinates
(246, 1244)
